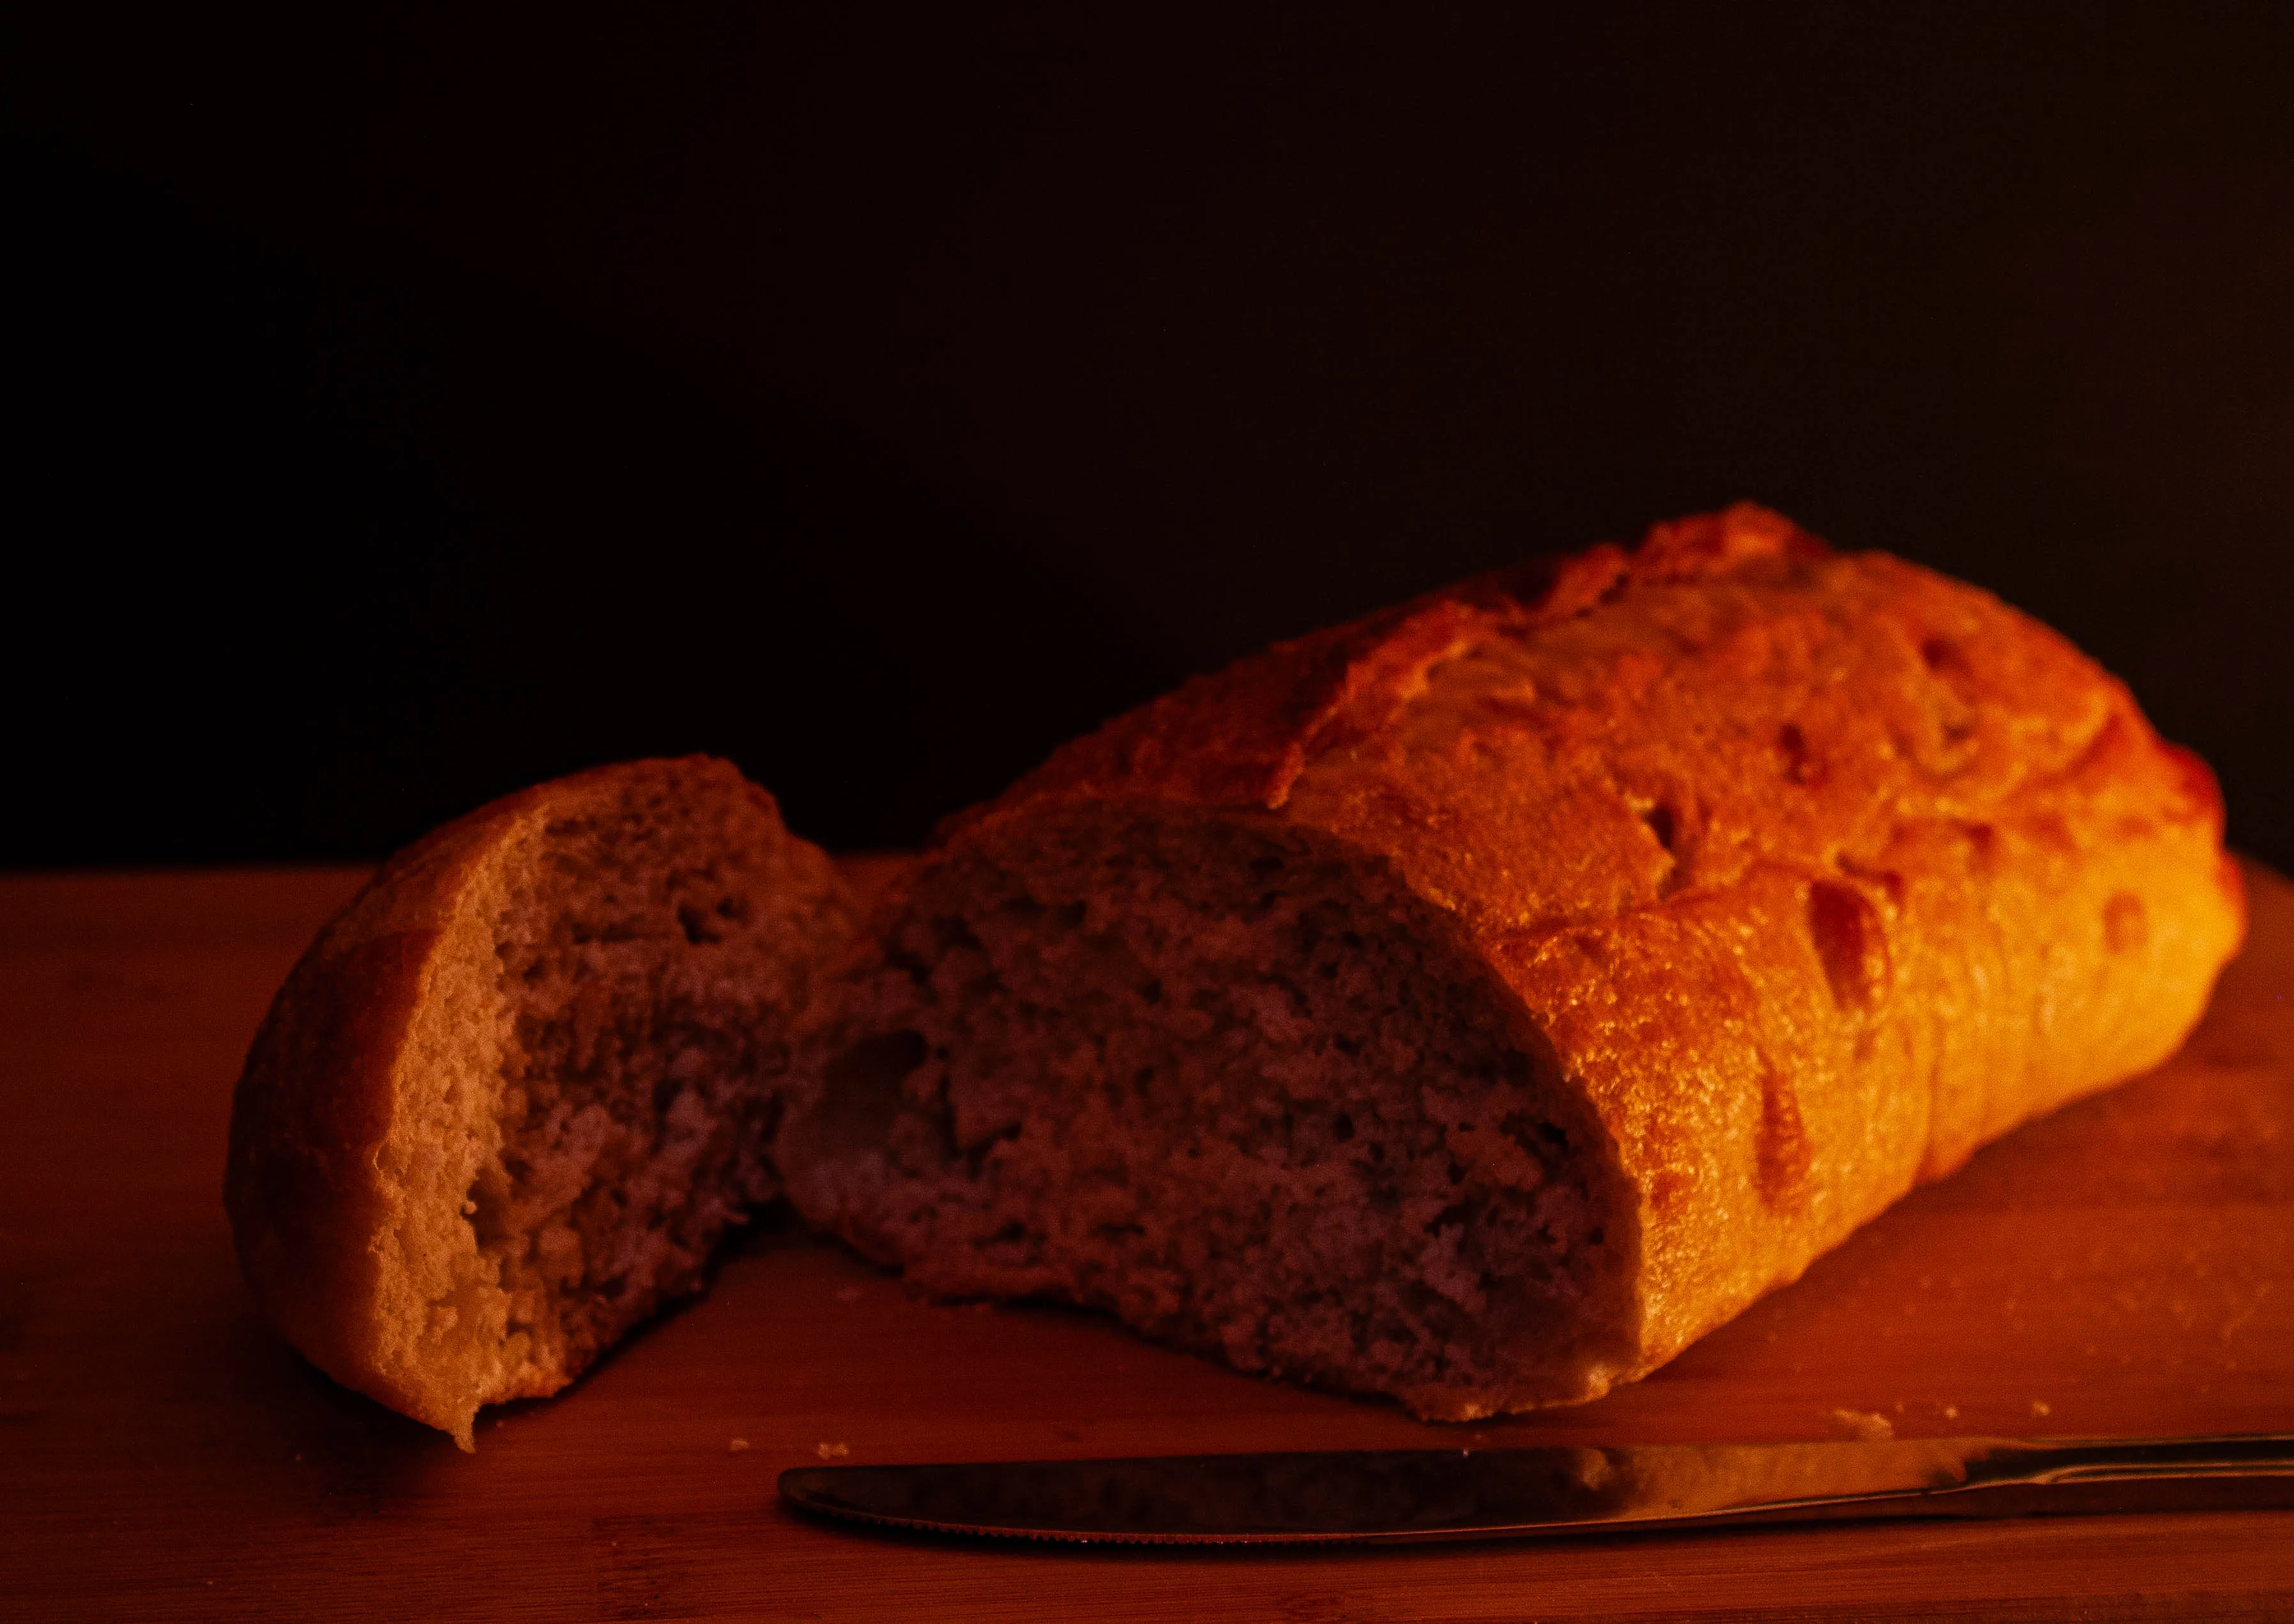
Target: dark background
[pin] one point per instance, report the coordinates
(408, 406)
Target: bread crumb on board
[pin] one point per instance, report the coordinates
(1869, 1425)
(737, 1446)
(832, 1451)
(2040, 1407)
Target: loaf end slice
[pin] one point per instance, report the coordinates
(515, 1093)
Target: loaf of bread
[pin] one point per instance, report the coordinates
(1478, 1002)
(518, 1090)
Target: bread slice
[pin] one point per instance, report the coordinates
(1480, 1001)
(515, 1093)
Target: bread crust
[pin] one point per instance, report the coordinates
(1814, 870)
(338, 1098)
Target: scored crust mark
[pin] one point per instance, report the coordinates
(1889, 882)
(1852, 943)
(1664, 823)
(1781, 1154)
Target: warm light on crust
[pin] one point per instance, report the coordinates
(1801, 874)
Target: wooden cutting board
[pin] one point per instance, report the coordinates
(2126, 1266)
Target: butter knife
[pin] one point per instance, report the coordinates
(1387, 1496)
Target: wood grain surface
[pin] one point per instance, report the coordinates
(2126, 1266)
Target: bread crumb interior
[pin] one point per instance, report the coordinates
(1197, 1073)
(636, 1095)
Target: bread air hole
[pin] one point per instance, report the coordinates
(1235, 1098)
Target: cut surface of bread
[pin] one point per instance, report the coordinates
(511, 1099)
(1478, 1002)
(1246, 1092)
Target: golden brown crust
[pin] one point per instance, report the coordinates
(317, 1102)
(303, 1194)
(1246, 735)
(341, 1109)
(1817, 871)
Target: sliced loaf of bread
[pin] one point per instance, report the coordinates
(1478, 1002)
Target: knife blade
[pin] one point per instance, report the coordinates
(1388, 1496)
